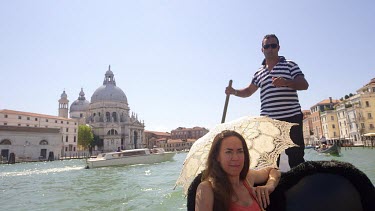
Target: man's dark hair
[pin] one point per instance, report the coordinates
(270, 36)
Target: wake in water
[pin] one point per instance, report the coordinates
(39, 171)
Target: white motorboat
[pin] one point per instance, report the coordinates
(130, 157)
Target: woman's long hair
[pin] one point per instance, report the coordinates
(218, 178)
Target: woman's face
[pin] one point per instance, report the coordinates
(231, 155)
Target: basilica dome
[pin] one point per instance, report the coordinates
(109, 91)
(81, 104)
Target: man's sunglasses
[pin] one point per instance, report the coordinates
(266, 46)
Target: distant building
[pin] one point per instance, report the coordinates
(316, 110)
(307, 127)
(109, 116)
(180, 139)
(177, 144)
(153, 138)
(188, 133)
(348, 120)
(330, 126)
(356, 114)
(32, 136)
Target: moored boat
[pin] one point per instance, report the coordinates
(130, 157)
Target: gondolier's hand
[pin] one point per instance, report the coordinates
(263, 195)
(280, 82)
(230, 91)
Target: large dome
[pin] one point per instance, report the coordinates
(81, 104)
(109, 91)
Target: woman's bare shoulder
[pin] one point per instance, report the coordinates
(205, 186)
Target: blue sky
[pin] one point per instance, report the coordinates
(173, 59)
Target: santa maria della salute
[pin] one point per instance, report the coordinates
(33, 136)
(108, 114)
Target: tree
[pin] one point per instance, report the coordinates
(85, 136)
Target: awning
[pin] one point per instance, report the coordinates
(369, 134)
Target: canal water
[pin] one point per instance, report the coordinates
(67, 185)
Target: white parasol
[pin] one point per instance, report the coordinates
(266, 138)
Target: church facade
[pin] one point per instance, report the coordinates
(108, 114)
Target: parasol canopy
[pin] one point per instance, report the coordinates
(266, 138)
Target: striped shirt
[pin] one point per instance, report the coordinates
(278, 102)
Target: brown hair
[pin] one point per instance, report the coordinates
(214, 173)
(270, 36)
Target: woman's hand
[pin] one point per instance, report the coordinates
(262, 194)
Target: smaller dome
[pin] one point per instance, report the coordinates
(81, 104)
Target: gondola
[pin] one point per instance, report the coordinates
(316, 185)
(335, 149)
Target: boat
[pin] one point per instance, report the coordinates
(309, 146)
(130, 157)
(315, 185)
(335, 149)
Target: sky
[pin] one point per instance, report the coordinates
(174, 58)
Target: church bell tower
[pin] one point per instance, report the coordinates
(63, 105)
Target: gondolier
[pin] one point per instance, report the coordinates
(279, 80)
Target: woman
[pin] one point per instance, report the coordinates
(227, 182)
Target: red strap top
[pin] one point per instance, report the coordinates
(253, 207)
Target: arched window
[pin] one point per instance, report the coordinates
(114, 116)
(112, 132)
(108, 117)
(43, 142)
(5, 142)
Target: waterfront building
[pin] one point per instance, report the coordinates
(152, 138)
(354, 116)
(352, 105)
(32, 136)
(367, 108)
(342, 121)
(307, 127)
(109, 116)
(177, 144)
(188, 133)
(330, 127)
(327, 104)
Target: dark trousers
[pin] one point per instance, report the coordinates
(295, 154)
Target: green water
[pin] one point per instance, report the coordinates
(66, 185)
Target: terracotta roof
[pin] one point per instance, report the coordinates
(6, 111)
(158, 133)
(327, 101)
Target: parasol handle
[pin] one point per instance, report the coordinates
(226, 104)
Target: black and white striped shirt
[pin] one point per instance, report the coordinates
(278, 102)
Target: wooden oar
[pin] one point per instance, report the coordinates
(226, 104)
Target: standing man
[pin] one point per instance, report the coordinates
(279, 80)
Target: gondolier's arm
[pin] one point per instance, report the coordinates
(246, 92)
